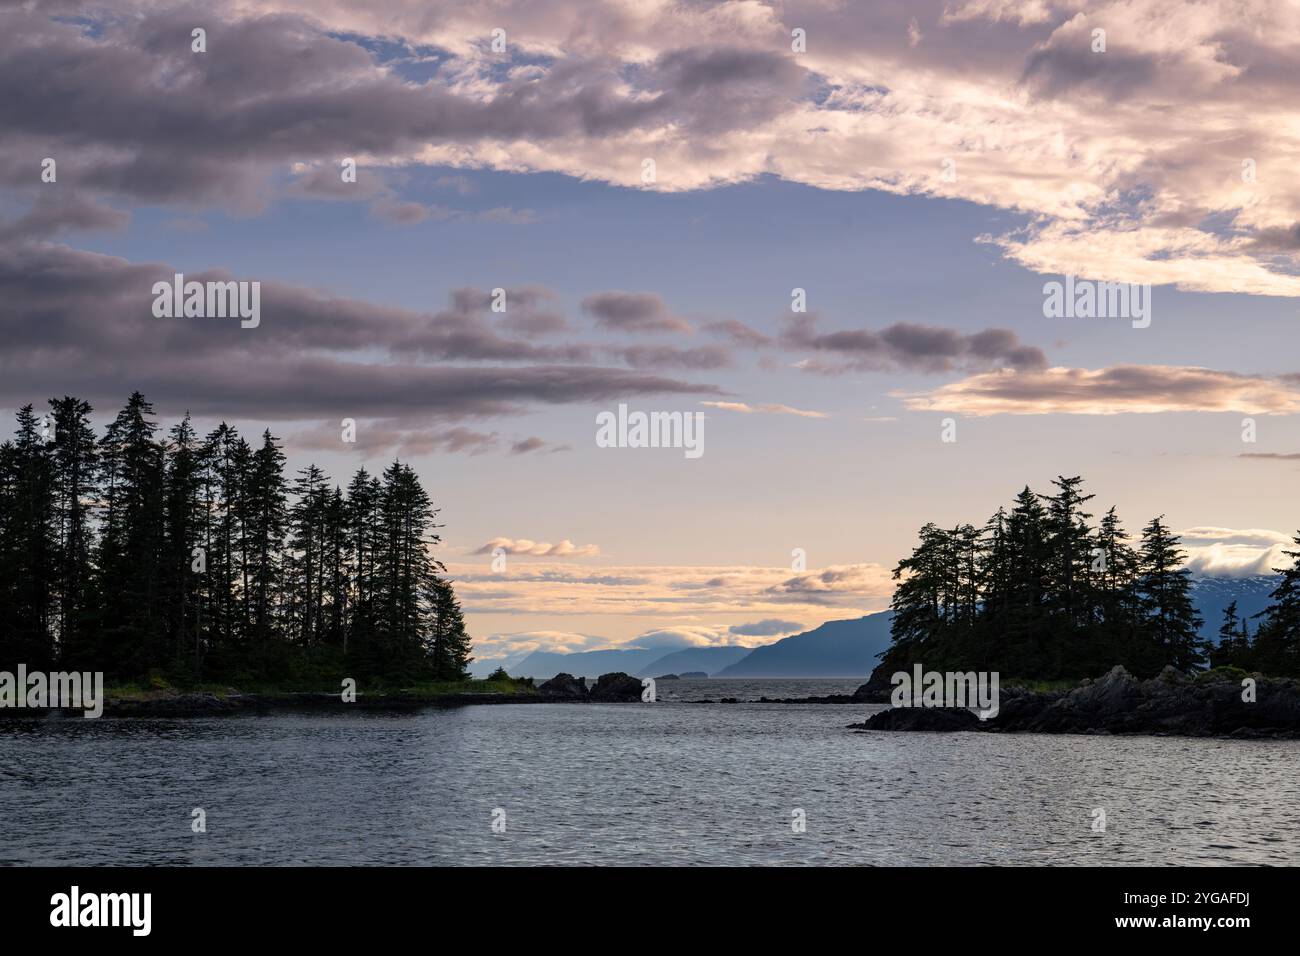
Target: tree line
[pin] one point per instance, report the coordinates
(1040, 591)
(196, 558)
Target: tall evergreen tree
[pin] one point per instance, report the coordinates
(1164, 592)
(362, 519)
(222, 602)
(186, 535)
(132, 636)
(1026, 632)
(449, 643)
(1234, 648)
(403, 568)
(1277, 638)
(1115, 599)
(265, 520)
(29, 564)
(75, 480)
(306, 566)
(1069, 554)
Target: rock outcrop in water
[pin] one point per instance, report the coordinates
(1171, 703)
(1205, 705)
(943, 719)
(616, 688)
(565, 686)
(877, 688)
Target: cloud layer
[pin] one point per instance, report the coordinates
(1163, 157)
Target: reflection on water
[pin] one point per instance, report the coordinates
(671, 783)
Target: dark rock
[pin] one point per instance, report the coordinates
(616, 687)
(667, 677)
(178, 705)
(1106, 704)
(566, 686)
(942, 719)
(1172, 703)
(694, 675)
(878, 686)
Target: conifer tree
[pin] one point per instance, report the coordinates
(1277, 638)
(185, 560)
(1166, 604)
(265, 521)
(75, 471)
(29, 569)
(449, 643)
(1234, 648)
(139, 556)
(132, 635)
(1068, 553)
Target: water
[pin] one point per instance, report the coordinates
(670, 783)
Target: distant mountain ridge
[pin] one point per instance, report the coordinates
(709, 660)
(844, 648)
(586, 663)
(1212, 594)
(638, 661)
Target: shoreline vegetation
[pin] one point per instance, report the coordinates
(1040, 594)
(202, 581)
(180, 559)
(160, 699)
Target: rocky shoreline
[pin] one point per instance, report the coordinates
(564, 688)
(1171, 704)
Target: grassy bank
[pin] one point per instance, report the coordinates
(158, 688)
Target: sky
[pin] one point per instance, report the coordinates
(648, 184)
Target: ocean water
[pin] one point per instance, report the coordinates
(677, 782)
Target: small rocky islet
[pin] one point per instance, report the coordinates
(1172, 703)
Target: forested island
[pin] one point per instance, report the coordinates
(1041, 592)
(180, 560)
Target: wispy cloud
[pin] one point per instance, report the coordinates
(765, 408)
(540, 549)
(740, 592)
(1145, 389)
(907, 345)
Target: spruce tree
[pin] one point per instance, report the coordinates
(1233, 649)
(1169, 621)
(1277, 639)
(449, 643)
(75, 473)
(29, 565)
(1068, 554)
(265, 520)
(1115, 600)
(185, 540)
(132, 637)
